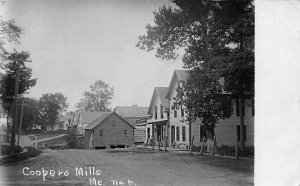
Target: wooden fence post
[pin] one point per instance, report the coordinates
(152, 143)
(191, 145)
(202, 146)
(166, 139)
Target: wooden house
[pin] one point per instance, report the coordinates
(179, 129)
(227, 131)
(157, 123)
(82, 119)
(137, 116)
(109, 130)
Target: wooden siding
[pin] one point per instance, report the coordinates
(140, 134)
(226, 130)
(113, 132)
(87, 135)
(177, 121)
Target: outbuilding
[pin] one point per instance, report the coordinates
(109, 130)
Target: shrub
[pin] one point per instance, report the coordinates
(72, 137)
(8, 150)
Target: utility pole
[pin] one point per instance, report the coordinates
(21, 120)
(13, 134)
(18, 59)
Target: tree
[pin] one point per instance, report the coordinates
(97, 99)
(15, 65)
(31, 113)
(52, 105)
(208, 32)
(7, 89)
(72, 140)
(9, 32)
(239, 72)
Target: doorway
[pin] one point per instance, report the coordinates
(172, 134)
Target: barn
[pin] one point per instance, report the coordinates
(109, 130)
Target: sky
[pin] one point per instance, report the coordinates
(73, 43)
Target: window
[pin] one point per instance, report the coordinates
(101, 133)
(125, 132)
(202, 133)
(237, 107)
(175, 113)
(252, 108)
(148, 133)
(177, 133)
(161, 111)
(238, 131)
(182, 112)
(155, 111)
(183, 133)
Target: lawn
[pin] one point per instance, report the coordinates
(131, 168)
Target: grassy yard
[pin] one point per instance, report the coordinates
(131, 168)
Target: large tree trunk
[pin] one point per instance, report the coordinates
(7, 127)
(210, 133)
(242, 125)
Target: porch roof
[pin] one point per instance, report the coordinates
(158, 122)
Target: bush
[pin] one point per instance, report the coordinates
(72, 137)
(8, 150)
(31, 152)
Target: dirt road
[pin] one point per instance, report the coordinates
(96, 167)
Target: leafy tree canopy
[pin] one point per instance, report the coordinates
(97, 99)
(7, 89)
(216, 38)
(31, 113)
(52, 105)
(9, 33)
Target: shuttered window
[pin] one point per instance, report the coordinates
(183, 133)
(177, 133)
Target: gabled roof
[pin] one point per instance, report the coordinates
(131, 111)
(178, 75)
(101, 118)
(87, 117)
(161, 93)
(64, 118)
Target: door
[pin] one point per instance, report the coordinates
(172, 134)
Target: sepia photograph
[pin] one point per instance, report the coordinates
(130, 92)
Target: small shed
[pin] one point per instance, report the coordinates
(109, 130)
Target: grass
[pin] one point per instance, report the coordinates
(225, 150)
(53, 142)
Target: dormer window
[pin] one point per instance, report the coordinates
(180, 84)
